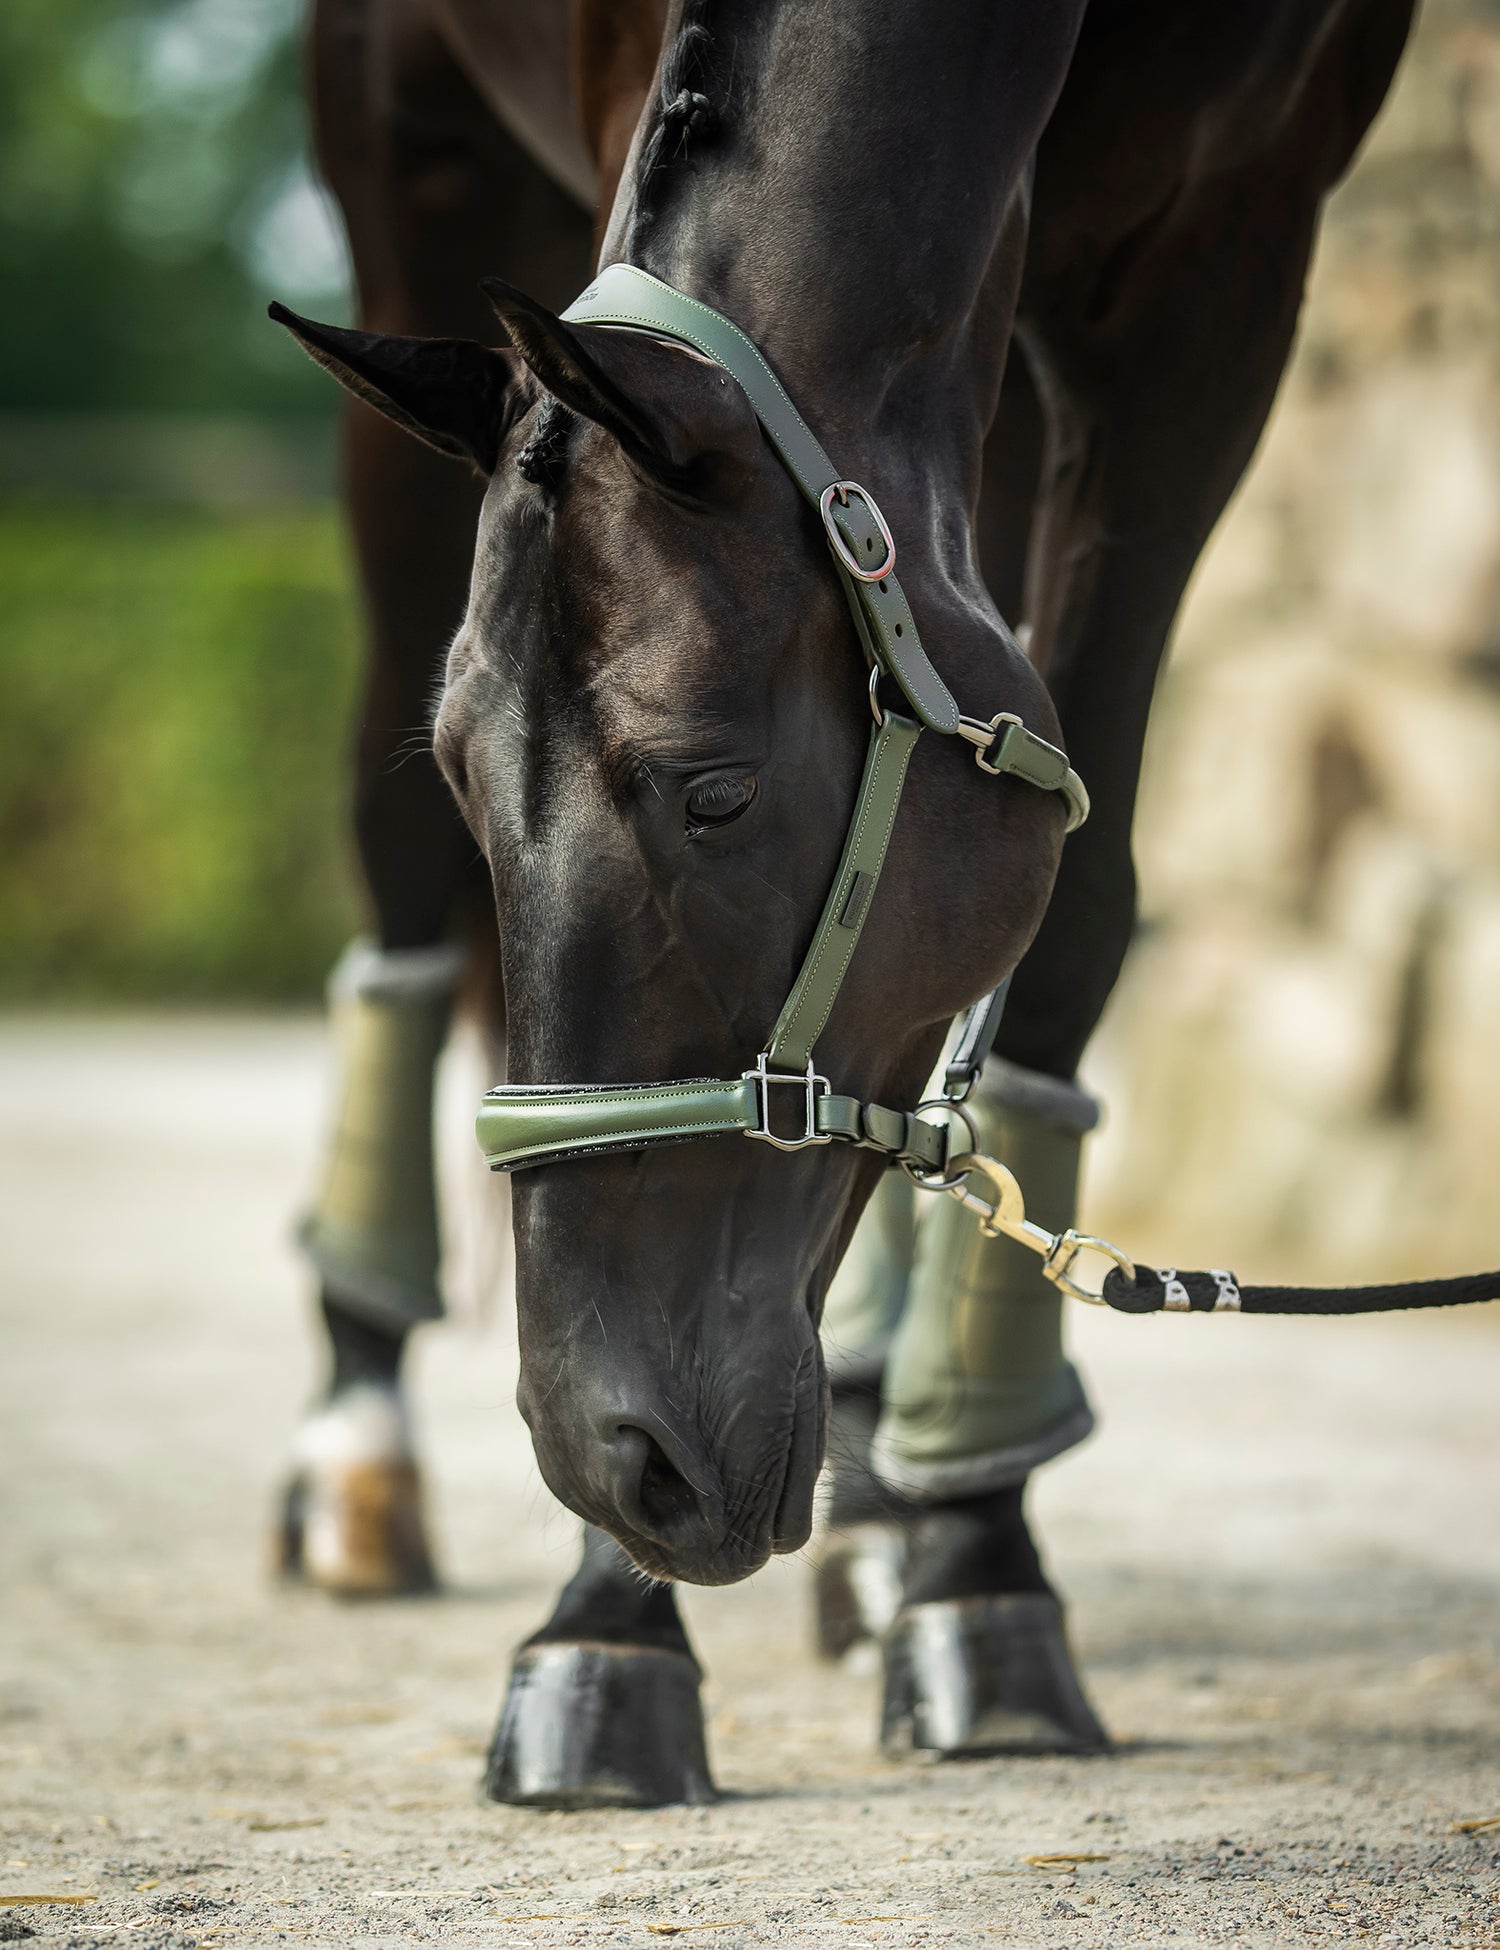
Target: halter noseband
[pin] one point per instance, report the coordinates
(521, 1125)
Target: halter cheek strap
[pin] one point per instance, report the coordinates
(782, 1099)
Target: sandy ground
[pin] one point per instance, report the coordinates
(1283, 1557)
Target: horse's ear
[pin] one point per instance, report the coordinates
(636, 387)
(457, 395)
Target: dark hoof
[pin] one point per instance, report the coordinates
(600, 1726)
(985, 1676)
(857, 1585)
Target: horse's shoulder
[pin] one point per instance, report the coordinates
(1170, 107)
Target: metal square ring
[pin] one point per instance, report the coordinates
(814, 1086)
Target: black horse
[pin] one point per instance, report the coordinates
(1031, 270)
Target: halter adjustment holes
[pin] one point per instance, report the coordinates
(712, 803)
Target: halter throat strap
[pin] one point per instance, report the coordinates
(782, 1099)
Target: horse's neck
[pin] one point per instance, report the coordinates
(847, 207)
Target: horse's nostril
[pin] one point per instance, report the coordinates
(668, 1500)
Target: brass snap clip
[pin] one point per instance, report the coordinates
(1005, 1216)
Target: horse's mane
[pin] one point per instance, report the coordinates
(683, 110)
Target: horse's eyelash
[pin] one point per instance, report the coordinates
(718, 791)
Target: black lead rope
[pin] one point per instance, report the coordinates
(1169, 1291)
(1145, 1289)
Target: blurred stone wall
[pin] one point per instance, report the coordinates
(1302, 1062)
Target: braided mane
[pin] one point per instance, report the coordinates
(683, 112)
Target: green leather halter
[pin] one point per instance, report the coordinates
(532, 1124)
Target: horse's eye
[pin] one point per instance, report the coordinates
(715, 802)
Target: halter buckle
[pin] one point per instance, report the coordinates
(808, 1081)
(842, 490)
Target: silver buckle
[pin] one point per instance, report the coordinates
(809, 1082)
(841, 548)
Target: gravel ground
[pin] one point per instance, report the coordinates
(1283, 1557)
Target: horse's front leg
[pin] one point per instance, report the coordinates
(352, 1520)
(927, 1547)
(1154, 402)
(603, 1708)
(434, 196)
(951, 1384)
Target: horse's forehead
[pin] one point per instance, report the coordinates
(642, 656)
(652, 682)
(624, 626)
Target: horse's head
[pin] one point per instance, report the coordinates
(654, 718)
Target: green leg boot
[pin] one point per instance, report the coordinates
(373, 1231)
(978, 1392)
(862, 1552)
(868, 1295)
(352, 1518)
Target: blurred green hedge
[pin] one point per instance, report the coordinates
(176, 691)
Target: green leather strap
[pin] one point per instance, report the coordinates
(521, 1125)
(624, 295)
(849, 899)
(900, 1134)
(533, 1124)
(528, 1124)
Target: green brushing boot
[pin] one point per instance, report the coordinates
(861, 1555)
(351, 1518)
(978, 1392)
(373, 1232)
(868, 1294)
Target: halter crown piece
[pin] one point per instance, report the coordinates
(521, 1125)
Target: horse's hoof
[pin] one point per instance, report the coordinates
(985, 1676)
(600, 1726)
(857, 1585)
(351, 1521)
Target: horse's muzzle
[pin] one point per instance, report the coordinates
(689, 1509)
